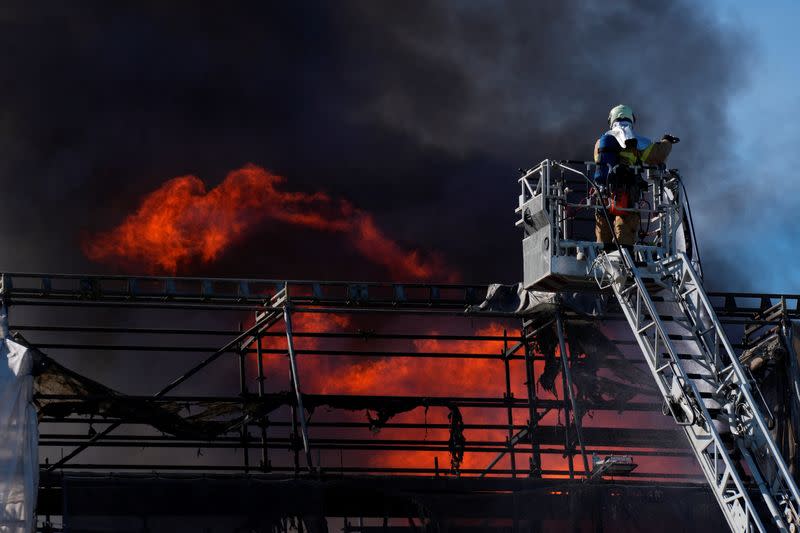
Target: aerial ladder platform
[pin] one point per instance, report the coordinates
(658, 286)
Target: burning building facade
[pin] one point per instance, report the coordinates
(373, 405)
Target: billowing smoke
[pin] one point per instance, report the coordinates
(418, 113)
(415, 115)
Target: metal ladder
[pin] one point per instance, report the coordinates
(705, 388)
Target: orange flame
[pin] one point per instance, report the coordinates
(409, 376)
(435, 377)
(182, 221)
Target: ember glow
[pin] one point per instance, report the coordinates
(421, 375)
(424, 375)
(183, 222)
(436, 376)
(426, 372)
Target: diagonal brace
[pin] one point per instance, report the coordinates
(265, 322)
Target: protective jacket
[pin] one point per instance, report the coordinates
(614, 153)
(619, 145)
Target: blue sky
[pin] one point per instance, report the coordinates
(759, 232)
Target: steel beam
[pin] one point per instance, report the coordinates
(266, 322)
(287, 319)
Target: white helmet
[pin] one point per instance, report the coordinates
(621, 112)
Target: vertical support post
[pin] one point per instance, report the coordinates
(555, 213)
(243, 433)
(793, 373)
(260, 365)
(569, 449)
(287, 318)
(533, 422)
(569, 393)
(293, 438)
(243, 393)
(562, 208)
(5, 285)
(509, 396)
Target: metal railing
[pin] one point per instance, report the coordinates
(565, 189)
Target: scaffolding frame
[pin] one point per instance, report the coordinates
(273, 304)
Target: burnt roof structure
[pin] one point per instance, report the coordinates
(162, 398)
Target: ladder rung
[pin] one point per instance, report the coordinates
(695, 375)
(626, 290)
(688, 291)
(736, 496)
(691, 355)
(709, 330)
(645, 328)
(677, 337)
(663, 367)
(671, 261)
(723, 384)
(659, 296)
(663, 300)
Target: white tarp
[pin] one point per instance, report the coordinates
(19, 435)
(515, 299)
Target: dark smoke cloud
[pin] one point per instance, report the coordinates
(417, 111)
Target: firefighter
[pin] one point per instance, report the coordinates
(615, 153)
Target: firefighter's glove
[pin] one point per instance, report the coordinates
(670, 139)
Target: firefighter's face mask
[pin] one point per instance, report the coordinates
(622, 130)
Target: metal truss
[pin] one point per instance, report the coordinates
(531, 436)
(697, 371)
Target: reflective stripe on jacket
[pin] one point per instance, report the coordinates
(608, 152)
